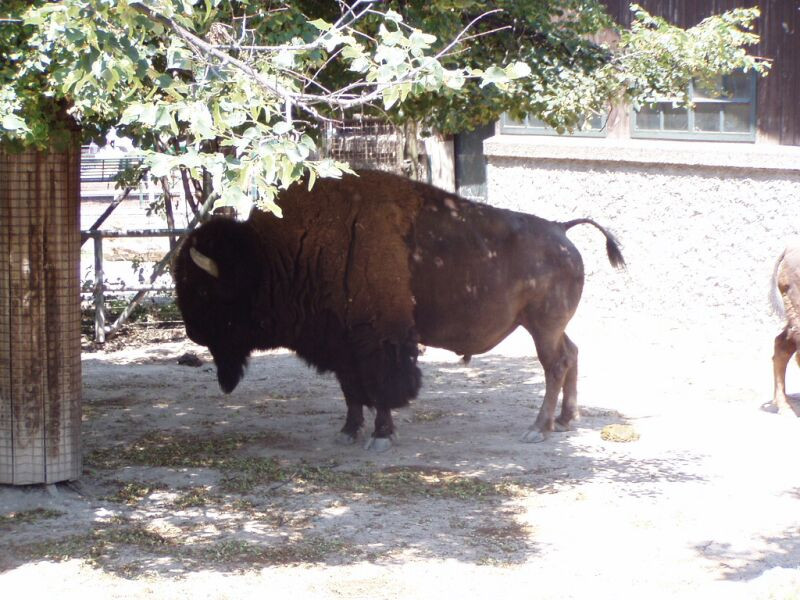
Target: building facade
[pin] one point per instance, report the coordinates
(702, 201)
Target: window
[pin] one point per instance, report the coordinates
(727, 113)
(594, 126)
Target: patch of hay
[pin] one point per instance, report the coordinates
(618, 432)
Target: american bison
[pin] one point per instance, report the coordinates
(786, 302)
(360, 270)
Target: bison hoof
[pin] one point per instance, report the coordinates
(378, 444)
(345, 439)
(534, 436)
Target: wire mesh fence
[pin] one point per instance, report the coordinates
(40, 368)
(371, 143)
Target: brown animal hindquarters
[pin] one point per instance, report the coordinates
(786, 301)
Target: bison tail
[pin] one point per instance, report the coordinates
(612, 245)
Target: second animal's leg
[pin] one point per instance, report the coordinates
(569, 403)
(557, 361)
(784, 348)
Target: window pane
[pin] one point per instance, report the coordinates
(737, 118)
(714, 90)
(513, 122)
(675, 119)
(739, 85)
(706, 117)
(535, 123)
(723, 109)
(648, 118)
(595, 122)
(592, 126)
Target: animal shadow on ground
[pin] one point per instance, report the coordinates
(794, 404)
(180, 477)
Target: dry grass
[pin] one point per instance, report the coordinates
(101, 544)
(28, 516)
(244, 474)
(133, 492)
(618, 432)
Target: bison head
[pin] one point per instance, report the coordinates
(217, 277)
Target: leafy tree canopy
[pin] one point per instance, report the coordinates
(238, 90)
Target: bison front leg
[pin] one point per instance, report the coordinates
(390, 378)
(384, 434)
(784, 348)
(356, 398)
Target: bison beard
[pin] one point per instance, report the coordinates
(361, 269)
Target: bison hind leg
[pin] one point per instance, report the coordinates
(569, 401)
(559, 358)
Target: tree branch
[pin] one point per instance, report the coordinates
(306, 102)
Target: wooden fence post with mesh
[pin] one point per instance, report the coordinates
(40, 368)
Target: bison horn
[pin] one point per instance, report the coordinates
(207, 264)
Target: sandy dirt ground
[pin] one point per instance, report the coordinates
(189, 493)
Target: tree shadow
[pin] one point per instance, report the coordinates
(777, 551)
(181, 477)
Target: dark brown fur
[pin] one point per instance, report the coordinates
(786, 301)
(360, 270)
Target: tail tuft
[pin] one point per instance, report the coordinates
(614, 254)
(612, 245)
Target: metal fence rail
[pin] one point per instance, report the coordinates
(99, 292)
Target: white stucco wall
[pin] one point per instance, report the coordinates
(701, 226)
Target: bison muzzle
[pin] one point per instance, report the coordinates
(360, 270)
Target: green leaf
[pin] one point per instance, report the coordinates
(392, 15)
(494, 75)
(454, 79)
(13, 123)
(360, 64)
(132, 114)
(164, 117)
(282, 128)
(178, 57)
(517, 70)
(234, 197)
(390, 95)
(421, 41)
(321, 24)
(390, 55)
(160, 165)
(285, 59)
(201, 121)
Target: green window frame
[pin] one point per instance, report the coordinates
(594, 126)
(725, 114)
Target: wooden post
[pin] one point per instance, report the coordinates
(99, 292)
(40, 353)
